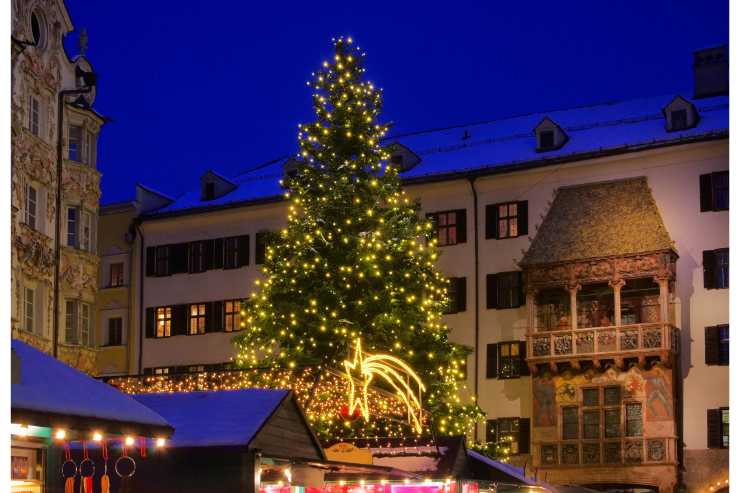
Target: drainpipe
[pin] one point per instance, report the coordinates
(471, 180)
(142, 261)
(58, 226)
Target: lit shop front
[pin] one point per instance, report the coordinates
(70, 432)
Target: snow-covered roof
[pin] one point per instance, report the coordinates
(48, 387)
(503, 145)
(216, 418)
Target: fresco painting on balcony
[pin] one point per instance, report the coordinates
(544, 402)
(658, 391)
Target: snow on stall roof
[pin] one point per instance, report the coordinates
(49, 386)
(505, 142)
(241, 414)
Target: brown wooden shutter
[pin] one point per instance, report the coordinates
(208, 252)
(524, 435)
(461, 293)
(491, 291)
(178, 258)
(151, 257)
(150, 322)
(260, 247)
(711, 345)
(714, 428)
(491, 221)
(522, 218)
(462, 225)
(215, 316)
(491, 360)
(517, 289)
(242, 246)
(179, 324)
(218, 253)
(709, 264)
(523, 367)
(705, 193)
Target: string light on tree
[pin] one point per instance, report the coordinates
(355, 260)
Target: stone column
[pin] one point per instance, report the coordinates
(616, 285)
(574, 287)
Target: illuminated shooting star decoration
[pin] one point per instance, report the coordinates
(394, 371)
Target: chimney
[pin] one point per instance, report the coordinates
(711, 72)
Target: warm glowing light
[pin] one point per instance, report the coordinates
(395, 372)
(129, 440)
(60, 434)
(97, 436)
(160, 442)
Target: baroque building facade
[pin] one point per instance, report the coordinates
(55, 186)
(588, 253)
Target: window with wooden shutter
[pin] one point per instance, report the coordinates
(524, 435)
(507, 220)
(714, 191)
(163, 260)
(151, 261)
(180, 319)
(197, 257)
(150, 322)
(714, 428)
(231, 253)
(260, 247)
(491, 360)
(163, 321)
(456, 292)
(511, 359)
(716, 264)
(451, 226)
(504, 290)
(717, 345)
(242, 250)
(523, 367)
(215, 316)
(218, 253)
(491, 221)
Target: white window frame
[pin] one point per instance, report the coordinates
(29, 309)
(31, 211)
(80, 143)
(71, 323)
(78, 323)
(84, 229)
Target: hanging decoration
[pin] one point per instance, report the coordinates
(394, 371)
(104, 479)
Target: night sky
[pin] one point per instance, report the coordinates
(192, 85)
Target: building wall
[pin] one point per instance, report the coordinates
(673, 175)
(39, 72)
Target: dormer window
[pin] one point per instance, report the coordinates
(549, 136)
(401, 157)
(209, 191)
(680, 114)
(397, 159)
(679, 120)
(547, 139)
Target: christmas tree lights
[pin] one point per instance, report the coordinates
(355, 260)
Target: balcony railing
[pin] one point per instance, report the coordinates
(623, 451)
(599, 342)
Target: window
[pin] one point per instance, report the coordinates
(35, 29)
(450, 227)
(612, 396)
(718, 428)
(197, 257)
(72, 219)
(570, 423)
(85, 320)
(714, 191)
(509, 433)
(717, 345)
(115, 331)
(633, 419)
(504, 290)
(31, 200)
(90, 148)
(716, 265)
(34, 115)
(74, 143)
(162, 260)
(510, 359)
(590, 397)
(197, 321)
(236, 252)
(612, 423)
(209, 191)
(507, 220)
(591, 424)
(232, 315)
(86, 231)
(70, 329)
(260, 247)
(547, 139)
(29, 308)
(679, 119)
(456, 293)
(164, 321)
(116, 274)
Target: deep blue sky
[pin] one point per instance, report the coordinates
(194, 84)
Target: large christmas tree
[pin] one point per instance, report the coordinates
(356, 261)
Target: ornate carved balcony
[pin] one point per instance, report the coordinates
(629, 451)
(602, 343)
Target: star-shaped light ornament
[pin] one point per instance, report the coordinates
(394, 371)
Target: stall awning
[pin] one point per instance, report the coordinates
(46, 392)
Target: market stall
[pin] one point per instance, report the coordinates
(70, 432)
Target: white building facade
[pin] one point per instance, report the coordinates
(496, 192)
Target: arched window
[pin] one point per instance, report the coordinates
(38, 29)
